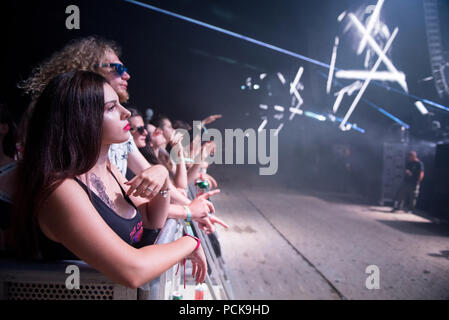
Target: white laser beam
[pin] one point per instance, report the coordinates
(281, 78)
(294, 84)
(279, 108)
(363, 75)
(262, 125)
(377, 49)
(372, 22)
(368, 80)
(421, 108)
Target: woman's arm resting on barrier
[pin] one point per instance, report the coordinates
(69, 217)
(151, 204)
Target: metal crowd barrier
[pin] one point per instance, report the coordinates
(46, 280)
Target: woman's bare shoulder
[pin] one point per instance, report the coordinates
(68, 197)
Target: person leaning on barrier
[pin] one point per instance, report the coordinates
(200, 207)
(197, 167)
(100, 56)
(73, 202)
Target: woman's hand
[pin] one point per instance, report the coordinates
(200, 206)
(207, 150)
(212, 182)
(149, 182)
(176, 137)
(211, 119)
(199, 264)
(207, 224)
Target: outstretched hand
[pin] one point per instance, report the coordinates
(211, 119)
(199, 264)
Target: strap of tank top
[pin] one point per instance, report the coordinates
(123, 191)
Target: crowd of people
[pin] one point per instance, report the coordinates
(84, 177)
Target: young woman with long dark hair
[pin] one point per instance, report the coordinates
(72, 203)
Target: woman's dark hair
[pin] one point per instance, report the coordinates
(180, 124)
(149, 154)
(63, 140)
(9, 141)
(134, 113)
(158, 119)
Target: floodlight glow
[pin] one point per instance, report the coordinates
(262, 76)
(372, 22)
(332, 66)
(296, 111)
(377, 49)
(294, 84)
(316, 116)
(263, 106)
(368, 80)
(279, 108)
(349, 126)
(341, 16)
(421, 108)
(281, 77)
(256, 87)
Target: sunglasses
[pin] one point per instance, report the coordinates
(119, 68)
(141, 129)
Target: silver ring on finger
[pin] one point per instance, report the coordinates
(149, 189)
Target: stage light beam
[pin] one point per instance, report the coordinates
(368, 80)
(372, 22)
(378, 50)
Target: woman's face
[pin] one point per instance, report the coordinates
(115, 120)
(157, 138)
(167, 129)
(118, 83)
(138, 131)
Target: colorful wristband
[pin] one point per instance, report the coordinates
(189, 214)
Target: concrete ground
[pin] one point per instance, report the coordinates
(282, 244)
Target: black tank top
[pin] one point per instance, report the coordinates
(130, 230)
